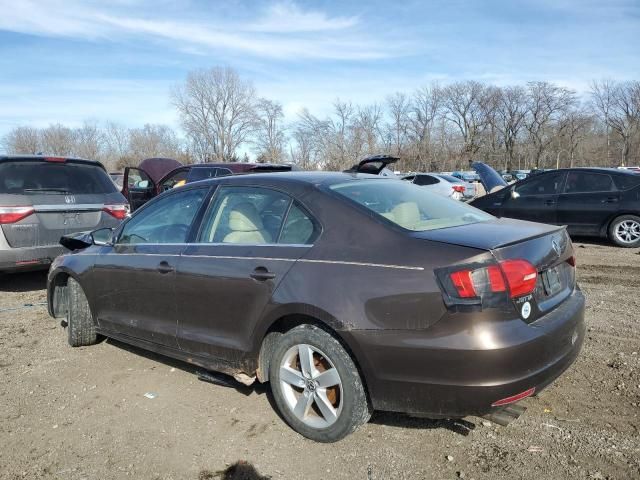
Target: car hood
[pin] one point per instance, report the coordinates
(489, 178)
(157, 168)
(489, 235)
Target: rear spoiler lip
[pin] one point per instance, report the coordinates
(533, 237)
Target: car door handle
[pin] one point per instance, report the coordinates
(609, 200)
(262, 274)
(549, 202)
(164, 267)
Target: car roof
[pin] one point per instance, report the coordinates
(27, 158)
(317, 178)
(594, 170)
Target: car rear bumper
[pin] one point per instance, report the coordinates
(465, 373)
(28, 258)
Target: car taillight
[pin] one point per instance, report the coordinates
(458, 188)
(571, 261)
(521, 277)
(118, 211)
(518, 277)
(14, 214)
(55, 159)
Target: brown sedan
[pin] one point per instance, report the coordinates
(347, 292)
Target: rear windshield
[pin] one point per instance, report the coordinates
(30, 178)
(409, 205)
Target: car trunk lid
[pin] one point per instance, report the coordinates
(547, 248)
(54, 215)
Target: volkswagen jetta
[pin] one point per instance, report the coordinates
(347, 292)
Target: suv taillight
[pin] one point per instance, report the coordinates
(14, 214)
(458, 188)
(517, 277)
(118, 211)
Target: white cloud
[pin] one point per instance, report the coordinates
(284, 31)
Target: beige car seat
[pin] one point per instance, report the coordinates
(246, 226)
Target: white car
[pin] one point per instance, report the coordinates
(439, 184)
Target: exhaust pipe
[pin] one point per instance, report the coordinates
(505, 415)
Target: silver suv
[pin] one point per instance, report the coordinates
(44, 198)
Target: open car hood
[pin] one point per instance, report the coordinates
(489, 178)
(158, 167)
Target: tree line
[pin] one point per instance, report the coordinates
(434, 128)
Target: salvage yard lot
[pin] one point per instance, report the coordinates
(81, 413)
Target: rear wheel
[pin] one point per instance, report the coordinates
(624, 231)
(81, 329)
(316, 386)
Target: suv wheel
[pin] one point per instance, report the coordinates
(316, 386)
(624, 231)
(81, 329)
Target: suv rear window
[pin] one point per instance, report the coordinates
(31, 178)
(408, 205)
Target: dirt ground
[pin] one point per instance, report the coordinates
(82, 414)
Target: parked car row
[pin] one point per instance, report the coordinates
(450, 310)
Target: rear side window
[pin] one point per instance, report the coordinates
(202, 173)
(298, 228)
(408, 205)
(548, 184)
(586, 182)
(425, 180)
(625, 182)
(32, 178)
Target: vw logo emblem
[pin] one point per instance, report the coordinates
(69, 199)
(556, 247)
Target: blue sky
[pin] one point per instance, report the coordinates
(67, 60)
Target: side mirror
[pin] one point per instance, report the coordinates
(102, 236)
(514, 194)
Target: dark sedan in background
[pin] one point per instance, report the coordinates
(156, 175)
(347, 292)
(601, 202)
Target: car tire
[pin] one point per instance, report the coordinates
(309, 399)
(81, 329)
(624, 231)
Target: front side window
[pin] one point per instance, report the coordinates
(548, 184)
(584, 182)
(409, 205)
(167, 220)
(176, 180)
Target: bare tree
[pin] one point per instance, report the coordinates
(619, 105)
(398, 106)
(468, 105)
(58, 140)
(368, 124)
(511, 111)
(574, 127)
(22, 140)
(425, 109)
(217, 108)
(89, 141)
(269, 134)
(152, 141)
(545, 104)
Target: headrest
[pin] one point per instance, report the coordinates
(244, 218)
(406, 214)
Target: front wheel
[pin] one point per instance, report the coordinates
(81, 329)
(316, 385)
(624, 231)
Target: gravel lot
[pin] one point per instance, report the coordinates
(81, 413)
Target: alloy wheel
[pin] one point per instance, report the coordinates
(628, 231)
(311, 385)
